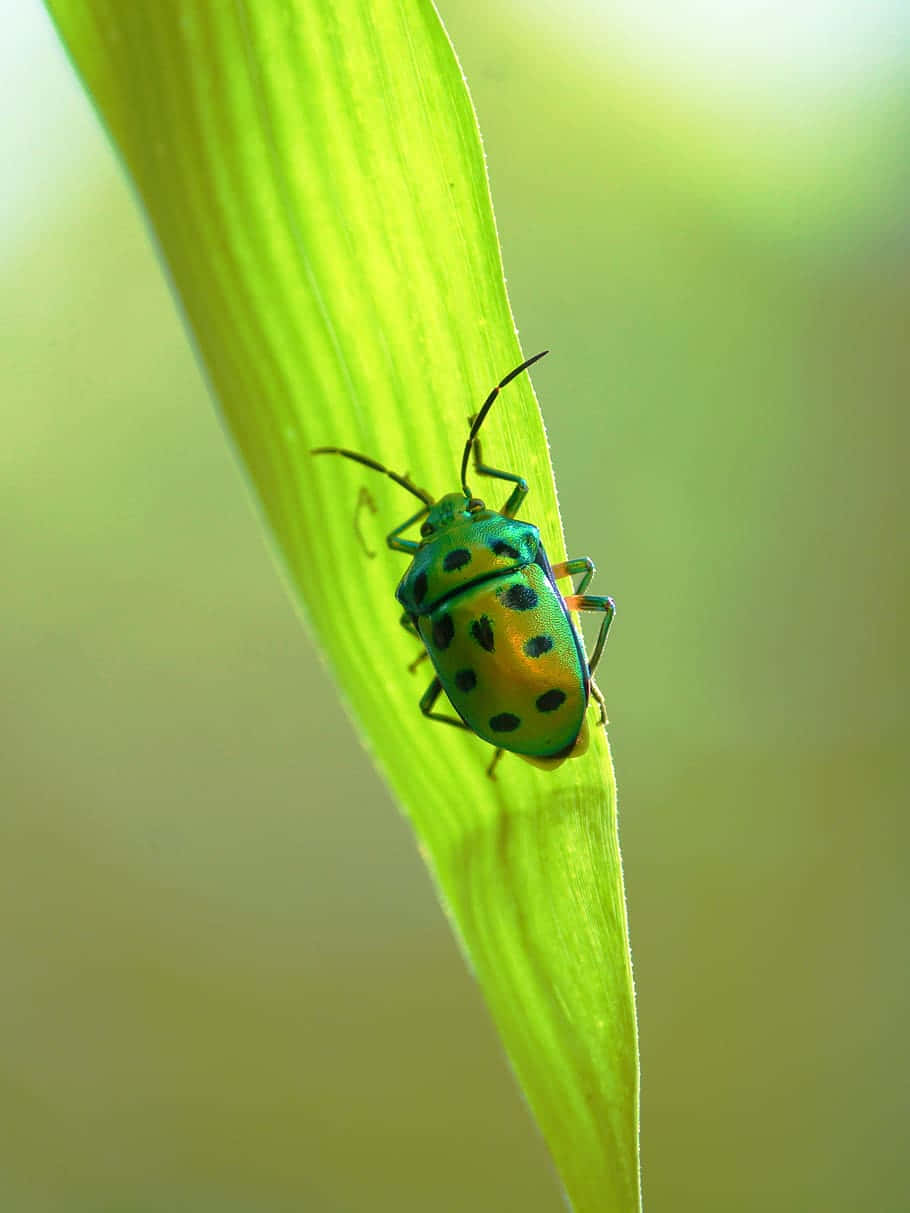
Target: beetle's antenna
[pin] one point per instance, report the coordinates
(377, 467)
(481, 416)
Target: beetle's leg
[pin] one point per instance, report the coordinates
(430, 695)
(496, 757)
(591, 602)
(596, 692)
(404, 545)
(568, 568)
(517, 495)
(411, 628)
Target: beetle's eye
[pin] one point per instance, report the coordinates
(474, 505)
(426, 529)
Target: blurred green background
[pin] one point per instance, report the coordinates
(226, 982)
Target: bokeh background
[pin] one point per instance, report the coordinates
(226, 982)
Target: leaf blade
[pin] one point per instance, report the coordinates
(314, 178)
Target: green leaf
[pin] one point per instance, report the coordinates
(313, 174)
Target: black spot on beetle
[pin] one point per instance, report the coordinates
(519, 597)
(549, 701)
(482, 631)
(505, 722)
(443, 631)
(466, 680)
(456, 559)
(420, 588)
(501, 548)
(538, 645)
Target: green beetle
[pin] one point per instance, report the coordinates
(482, 597)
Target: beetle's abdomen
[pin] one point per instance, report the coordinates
(509, 660)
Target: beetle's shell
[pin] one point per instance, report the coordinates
(510, 660)
(464, 553)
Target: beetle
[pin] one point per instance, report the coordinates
(481, 596)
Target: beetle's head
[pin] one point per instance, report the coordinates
(451, 510)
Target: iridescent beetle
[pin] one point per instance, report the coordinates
(481, 595)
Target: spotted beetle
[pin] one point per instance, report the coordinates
(481, 596)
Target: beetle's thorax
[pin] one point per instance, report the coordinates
(461, 547)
